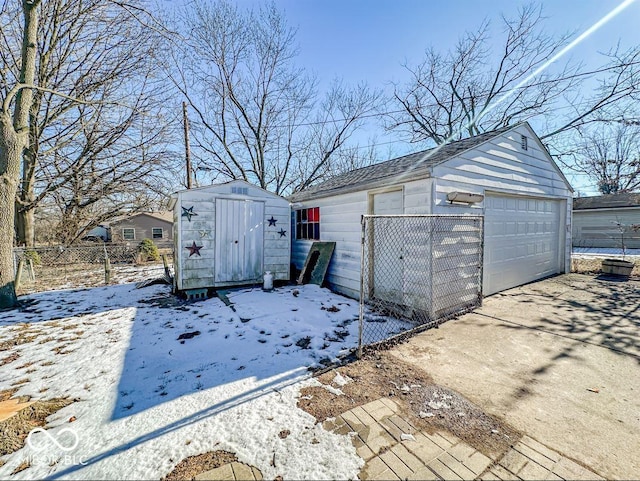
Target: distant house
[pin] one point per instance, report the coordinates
(157, 226)
(597, 221)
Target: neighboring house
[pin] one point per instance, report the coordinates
(597, 221)
(523, 195)
(157, 226)
(229, 234)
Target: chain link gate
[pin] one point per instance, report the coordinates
(417, 271)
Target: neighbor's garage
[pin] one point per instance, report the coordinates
(523, 240)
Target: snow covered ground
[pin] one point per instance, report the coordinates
(157, 380)
(603, 252)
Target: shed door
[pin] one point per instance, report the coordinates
(239, 240)
(388, 239)
(523, 241)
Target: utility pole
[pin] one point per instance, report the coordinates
(187, 150)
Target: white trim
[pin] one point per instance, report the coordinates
(129, 228)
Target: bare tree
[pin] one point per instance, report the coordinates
(476, 88)
(257, 117)
(610, 157)
(99, 54)
(14, 134)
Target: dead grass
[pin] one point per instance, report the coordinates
(21, 336)
(23, 465)
(192, 466)
(381, 375)
(593, 266)
(7, 394)
(14, 431)
(10, 358)
(20, 382)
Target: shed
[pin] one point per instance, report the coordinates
(506, 175)
(229, 234)
(599, 221)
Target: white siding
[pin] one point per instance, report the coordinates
(340, 222)
(199, 271)
(500, 166)
(597, 228)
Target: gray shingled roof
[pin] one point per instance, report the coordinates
(404, 168)
(609, 201)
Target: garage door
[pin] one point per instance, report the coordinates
(522, 241)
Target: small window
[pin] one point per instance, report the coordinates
(308, 223)
(524, 142)
(240, 190)
(157, 233)
(129, 233)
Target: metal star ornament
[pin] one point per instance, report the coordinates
(282, 232)
(203, 233)
(194, 249)
(272, 221)
(188, 213)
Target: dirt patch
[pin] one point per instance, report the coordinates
(14, 431)
(443, 408)
(192, 466)
(426, 405)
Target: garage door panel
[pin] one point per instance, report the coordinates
(522, 241)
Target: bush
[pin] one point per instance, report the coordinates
(148, 250)
(33, 256)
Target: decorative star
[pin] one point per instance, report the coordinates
(188, 213)
(203, 233)
(272, 221)
(194, 249)
(282, 232)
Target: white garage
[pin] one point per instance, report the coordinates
(506, 175)
(523, 240)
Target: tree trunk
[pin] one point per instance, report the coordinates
(25, 223)
(14, 133)
(10, 153)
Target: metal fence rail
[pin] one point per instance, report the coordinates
(59, 267)
(417, 271)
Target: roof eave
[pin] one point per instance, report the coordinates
(349, 189)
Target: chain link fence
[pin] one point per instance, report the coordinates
(417, 271)
(46, 268)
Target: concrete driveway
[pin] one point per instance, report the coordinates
(558, 359)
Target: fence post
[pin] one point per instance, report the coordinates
(19, 274)
(107, 267)
(361, 313)
(165, 261)
(32, 273)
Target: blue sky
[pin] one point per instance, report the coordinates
(361, 40)
(369, 40)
